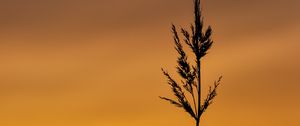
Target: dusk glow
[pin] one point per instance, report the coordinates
(97, 62)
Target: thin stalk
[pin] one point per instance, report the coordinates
(199, 92)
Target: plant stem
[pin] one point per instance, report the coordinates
(199, 92)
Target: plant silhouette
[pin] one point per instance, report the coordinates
(188, 92)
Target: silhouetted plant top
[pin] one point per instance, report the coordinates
(199, 42)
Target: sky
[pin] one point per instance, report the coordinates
(97, 62)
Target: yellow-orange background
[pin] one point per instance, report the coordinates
(97, 62)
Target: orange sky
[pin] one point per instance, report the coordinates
(97, 62)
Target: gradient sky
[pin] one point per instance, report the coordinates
(97, 62)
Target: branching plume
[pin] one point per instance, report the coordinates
(188, 92)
